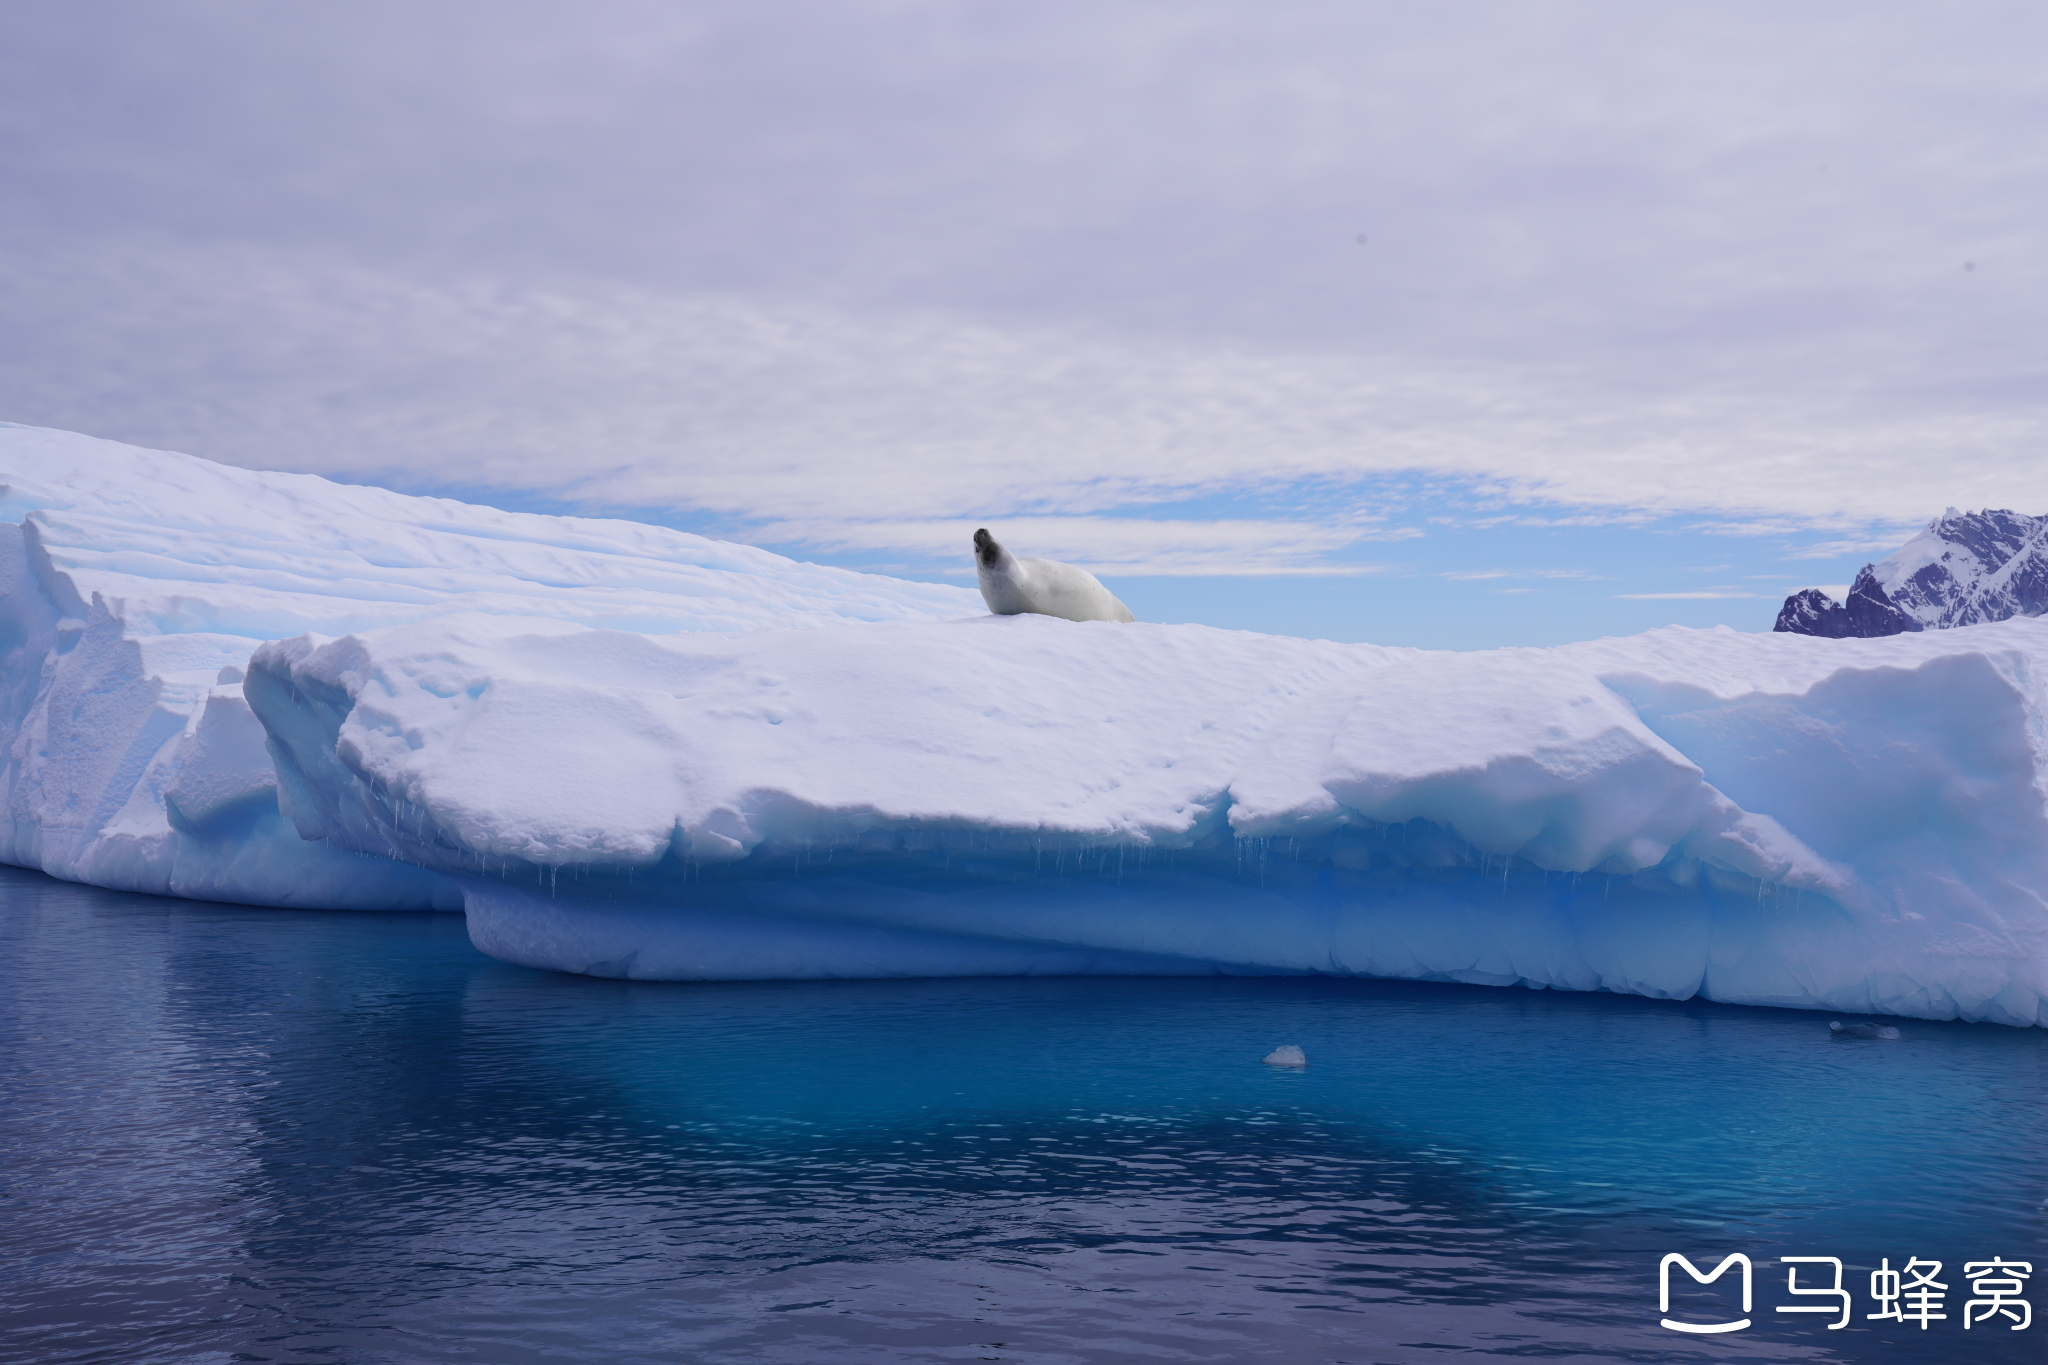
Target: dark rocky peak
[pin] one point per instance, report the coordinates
(2018, 587)
(1869, 613)
(1812, 612)
(1872, 611)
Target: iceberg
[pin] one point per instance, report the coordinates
(135, 584)
(630, 752)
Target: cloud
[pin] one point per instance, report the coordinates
(1473, 575)
(1106, 545)
(1711, 595)
(1860, 545)
(1618, 517)
(1757, 527)
(852, 273)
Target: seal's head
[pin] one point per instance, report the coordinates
(987, 549)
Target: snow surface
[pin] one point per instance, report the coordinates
(632, 752)
(135, 584)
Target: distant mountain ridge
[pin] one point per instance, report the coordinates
(1964, 569)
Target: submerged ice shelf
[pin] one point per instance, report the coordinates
(632, 752)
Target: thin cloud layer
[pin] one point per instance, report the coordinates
(1705, 595)
(847, 276)
(1128, 545)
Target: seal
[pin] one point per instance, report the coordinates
(1013, 586)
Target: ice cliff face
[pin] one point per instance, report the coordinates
(1768, 819)
(847, 776)
(135, 584)
(1963, 570)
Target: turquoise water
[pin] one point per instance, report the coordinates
(236, 1134)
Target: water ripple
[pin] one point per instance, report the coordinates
(253, 1135)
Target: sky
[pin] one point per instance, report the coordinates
(1454, 325)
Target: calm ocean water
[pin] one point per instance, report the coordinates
(235, 1134)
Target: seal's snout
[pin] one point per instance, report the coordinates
(985, 547)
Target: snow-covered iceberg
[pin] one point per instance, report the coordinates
(1849, 825)
(626, 764)
(135, 584)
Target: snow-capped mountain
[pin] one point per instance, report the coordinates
(1965, 569)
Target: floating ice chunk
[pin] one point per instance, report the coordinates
(630, 752)
(1841, 1030)
(1854, 826)
(1287, 1054)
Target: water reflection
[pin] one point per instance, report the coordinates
(280, 1135)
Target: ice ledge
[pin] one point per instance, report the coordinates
(1687, 812)
(1262, 913)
